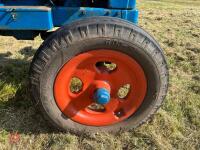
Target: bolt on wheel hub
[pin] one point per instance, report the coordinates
(102, 96)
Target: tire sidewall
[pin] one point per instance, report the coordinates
(136, 49)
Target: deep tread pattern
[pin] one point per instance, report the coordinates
(116, 32)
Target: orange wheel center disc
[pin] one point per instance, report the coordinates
(75, 105)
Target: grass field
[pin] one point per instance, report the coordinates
(176, 25)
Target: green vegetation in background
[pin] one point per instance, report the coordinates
(176, 25)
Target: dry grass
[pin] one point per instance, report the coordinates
(176, 25)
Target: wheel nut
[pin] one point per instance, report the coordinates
(119, 113)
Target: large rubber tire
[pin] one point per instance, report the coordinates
(90, 34)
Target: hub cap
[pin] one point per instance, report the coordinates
(102, 96)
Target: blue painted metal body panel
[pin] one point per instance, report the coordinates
(22, 18)
(18, 15)
(122, 4)
(64, 15)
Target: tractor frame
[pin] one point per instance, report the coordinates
(26, 19)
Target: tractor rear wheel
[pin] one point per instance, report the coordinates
(99, 73)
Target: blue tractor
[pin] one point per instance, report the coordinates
(96, 69)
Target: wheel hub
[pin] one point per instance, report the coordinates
(99, 87)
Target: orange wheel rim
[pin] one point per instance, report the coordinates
(83, 66)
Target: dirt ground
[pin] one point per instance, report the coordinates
(176, 25)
